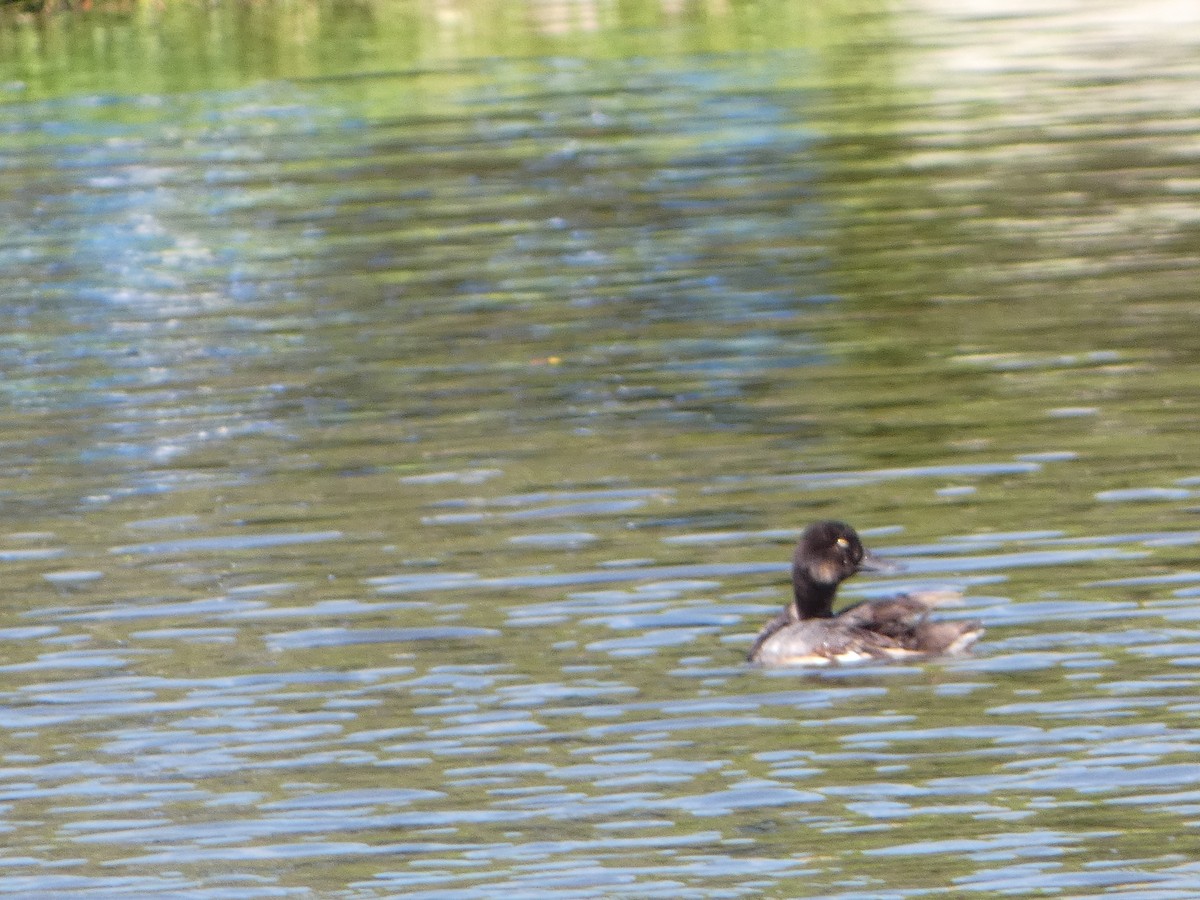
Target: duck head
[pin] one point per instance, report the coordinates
(828, 553)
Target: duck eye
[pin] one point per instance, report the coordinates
(843, 543)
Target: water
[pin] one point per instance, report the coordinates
(407, 416)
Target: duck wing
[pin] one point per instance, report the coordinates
(892, 616)
(905, 620)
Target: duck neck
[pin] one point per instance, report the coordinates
(814, 599)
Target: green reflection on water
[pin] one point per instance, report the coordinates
(169, 47)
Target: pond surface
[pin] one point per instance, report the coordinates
(407, 412)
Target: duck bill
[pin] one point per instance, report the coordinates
(872, 563)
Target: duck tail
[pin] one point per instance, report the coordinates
(949, 638)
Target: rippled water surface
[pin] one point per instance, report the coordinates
(407, 412)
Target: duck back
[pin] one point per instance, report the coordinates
(811, 642)
(887, 628)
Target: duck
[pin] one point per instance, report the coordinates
(808, 632)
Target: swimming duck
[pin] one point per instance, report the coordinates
(807, 632)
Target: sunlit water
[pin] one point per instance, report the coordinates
(398, 459)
